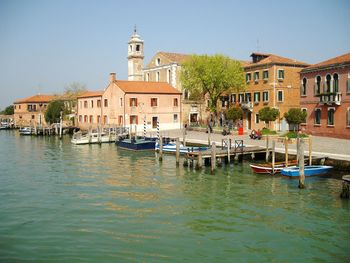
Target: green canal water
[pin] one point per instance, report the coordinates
(65, 203)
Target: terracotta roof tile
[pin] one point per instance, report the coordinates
(146, 87)
(36, 99)
(330, 62)
(274, 59)
(88, 94)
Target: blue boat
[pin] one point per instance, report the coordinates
(308, 170)
(136, 144)
(171, 148)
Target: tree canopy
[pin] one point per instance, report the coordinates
(9, 110)
(234, 113)
(212, 76)
(268, 114)
(53, 111)
(295, 116)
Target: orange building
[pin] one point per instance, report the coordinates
(130, 104)
(325, 96)
(272, 81)
(31, 111)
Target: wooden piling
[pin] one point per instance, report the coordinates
(184, 136)
(301, 164)
(345, 193)
(228, 150)
(213, 157)
(286, 150)
(310, 149)
(209, 142)
(273, 156)
(199, 161)
(267, 149)
(177, 151)
(160, 148)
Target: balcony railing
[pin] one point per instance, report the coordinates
(248, 105)
(330, 98)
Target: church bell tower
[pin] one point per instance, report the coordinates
(135, 57)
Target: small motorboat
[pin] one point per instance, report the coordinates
(25, 131)
(266, 168)
(4, 126)
(92, 138)
(136, 143)
(171, 148)
(309, 170)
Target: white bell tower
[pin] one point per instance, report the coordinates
(135, 57)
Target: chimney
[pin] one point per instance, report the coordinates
(112, 77)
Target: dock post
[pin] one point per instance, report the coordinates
(184, 136)
(267, 149)
(209, 142)
(273, 156)
(228, 150)
(301, 164)
(160, 148)
(199, 161)
(310, 149)
(177, 151)
(61, 124)
(345, 193)
(286, 150)
(213, 157)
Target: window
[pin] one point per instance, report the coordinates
(176, 103)
(105, 119)
(169, 76)
(348, 84)
(147, 77)
(303, 87)
(240, 98)
(327, 87)
(98, 103)
(137, 47)
(281, 74)
(248, 97)
(120, 120)
(121, 102)
(175, 118)
(98, 119)
(317, 116)
(154, 102)
(318, 85)
(348, 118)
(233, 98)
(105, 102)
(92, 103)
(248, 77)
(186, 94)
(85, 118)
(158, 61)
(265, 74)
(304, 110)
(256, 97)
(80, 118)
(133, 119)
(280, 96)
(91, 119)
(33, 117)
(257, 120)
(130, 48)
(265, 96)
(133, 102)
(330, 119)
(154, 122)
(85, 104)
(256, 76)
(335, 82)
(157, 76)
(19, 107)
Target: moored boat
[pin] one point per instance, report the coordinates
(92, 138)
(136, 144)
(308, 170)
(266, 168)
(25, 131)
(171, 148)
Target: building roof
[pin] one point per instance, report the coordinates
(89, 94)
(331, 62)
(36, 99)
(274, 59)
(146, 87)
(175, 57)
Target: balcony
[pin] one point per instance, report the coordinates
(247, 105)
(330, 98)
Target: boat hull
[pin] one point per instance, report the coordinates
(265, 169)
(171, 148)
(138, 145)
(308, 170)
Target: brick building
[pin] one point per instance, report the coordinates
(272, 81)
(325, 96)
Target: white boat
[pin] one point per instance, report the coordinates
(25, 131)
(171, 147)
(91, 138)
(4, 126)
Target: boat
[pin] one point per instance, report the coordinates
(136, 143)
(4, 126)
(171, 148)
(309, 170)
(266, 168)
(25, 131)
(92, 138)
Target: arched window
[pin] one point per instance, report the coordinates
(328, 83)
(330, 120)
(303, 87)
(157, 76)
(335, 82)
(318, 85)
(169, 76)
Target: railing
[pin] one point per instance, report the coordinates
(330, 98)
(247, 105)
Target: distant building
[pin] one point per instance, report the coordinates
(325, 96)
(272, 81)
(131, 104)
(31, 111)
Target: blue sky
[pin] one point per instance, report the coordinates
(45, 45)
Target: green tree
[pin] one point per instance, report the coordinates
(9, 110)
(234, 114)
(268, 114)
(212, 76)
(295, 116)
(53, 111)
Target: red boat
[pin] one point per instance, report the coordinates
(266, 168)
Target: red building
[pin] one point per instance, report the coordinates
(325, 96)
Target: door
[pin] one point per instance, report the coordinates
(154, 122)
(249, 120)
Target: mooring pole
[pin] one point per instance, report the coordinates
(228, 150)
(160, 148)
(213, 157)
(177, 151)
(286, 150)
(267, 149)
(199, 161)
(273, 156)
(310, 149)
(184, 136)
(301, 164)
